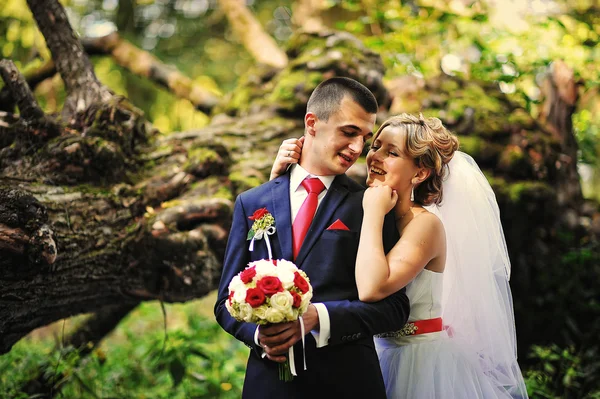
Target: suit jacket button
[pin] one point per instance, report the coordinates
(344, 338)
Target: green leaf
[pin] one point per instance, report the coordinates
(250, 235)
(177, 370)
(200, 353)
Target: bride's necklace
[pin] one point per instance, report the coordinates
(405, 213)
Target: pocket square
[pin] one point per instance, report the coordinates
(338, 225)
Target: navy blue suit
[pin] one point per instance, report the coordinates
(348, 365)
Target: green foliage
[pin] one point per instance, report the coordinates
(563, 373)
(567, 365)
(197, 359)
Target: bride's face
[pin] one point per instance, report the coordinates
(387, 161)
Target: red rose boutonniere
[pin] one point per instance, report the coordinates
(263, 227)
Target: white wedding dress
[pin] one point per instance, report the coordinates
(430, 366)
(474, 356)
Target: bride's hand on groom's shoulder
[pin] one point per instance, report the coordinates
(379, 199)
(288, 154)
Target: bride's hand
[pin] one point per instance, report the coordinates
(289, 153)
(379, 199)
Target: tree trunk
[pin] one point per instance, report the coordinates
(72, 63)
(249, 31)
(144, 64)
(561, 93)
(136, 61)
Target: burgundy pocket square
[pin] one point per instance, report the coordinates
(338, 225)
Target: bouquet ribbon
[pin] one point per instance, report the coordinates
(269, 231)
(291, 351)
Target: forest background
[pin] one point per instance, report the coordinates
(517, 80)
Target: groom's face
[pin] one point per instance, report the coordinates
(338, 142)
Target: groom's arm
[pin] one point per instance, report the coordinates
(236, 259)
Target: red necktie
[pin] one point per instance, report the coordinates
(305, 215)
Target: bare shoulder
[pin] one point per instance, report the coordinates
(425, 220)
(425, 225)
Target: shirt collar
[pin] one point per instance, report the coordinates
(298, 174)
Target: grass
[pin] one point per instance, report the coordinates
(197, 360)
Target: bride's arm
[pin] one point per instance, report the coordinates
(378, 275)
(289, 153)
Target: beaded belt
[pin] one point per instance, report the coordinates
(415, 328)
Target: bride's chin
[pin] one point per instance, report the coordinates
(373, 183)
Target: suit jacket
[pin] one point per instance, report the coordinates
(348, 365)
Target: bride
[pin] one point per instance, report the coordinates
(459, 341)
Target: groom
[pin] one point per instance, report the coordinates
(340, 353)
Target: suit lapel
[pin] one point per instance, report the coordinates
(337, 192)
(283, 214)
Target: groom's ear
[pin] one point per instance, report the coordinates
(310, 122)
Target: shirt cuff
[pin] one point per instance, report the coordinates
(322, 336)
(263, 354)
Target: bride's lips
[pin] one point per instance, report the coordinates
(374, 170)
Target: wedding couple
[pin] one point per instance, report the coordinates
(417, 260)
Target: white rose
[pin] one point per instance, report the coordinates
(230, 309)
(245, 312)
(265, 268)
(287, 278)
(282, 301)
(286, 265)
(236, 284)
(261, 312)
(305, 302)
(239, 295)
(274, 316)
(292, 314)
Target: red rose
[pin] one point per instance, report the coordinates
(255, 297)
(269, 285)
(230, 297)
(297, 299)
(248, 274)
(301, 283)
(258, 214)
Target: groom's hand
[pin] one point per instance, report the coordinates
(277, 339)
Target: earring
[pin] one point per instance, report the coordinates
(412, 194)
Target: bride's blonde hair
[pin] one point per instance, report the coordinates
(431, 146)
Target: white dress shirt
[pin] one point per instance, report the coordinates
(297, 196)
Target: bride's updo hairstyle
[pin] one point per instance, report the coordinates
(431, 146)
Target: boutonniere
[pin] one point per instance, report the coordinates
(263, 227)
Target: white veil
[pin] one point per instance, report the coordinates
(477, 302)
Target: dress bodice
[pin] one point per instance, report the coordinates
(425, 295)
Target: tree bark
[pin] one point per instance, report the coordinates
(561, 93)
(72, 63)
(249, 31)
(135, 60)
(144, 64)
(20, 91)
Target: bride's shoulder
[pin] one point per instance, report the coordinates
(425, 222)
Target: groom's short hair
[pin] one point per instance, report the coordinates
(325, 100)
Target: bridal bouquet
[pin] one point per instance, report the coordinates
(270, 291)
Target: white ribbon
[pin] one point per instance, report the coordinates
(269, 231)
(259, 235)
(291, 351)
